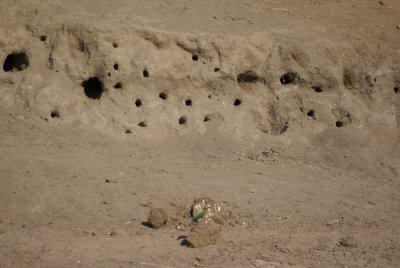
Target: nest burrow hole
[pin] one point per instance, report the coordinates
(142, 124)
(93, 88)
(311, 113)
(182, 120)
(188, 102)
(237, 102)
(339, 124)
(55, 114)
(163, 95)
(138, 102)
(17, 61)
(317, 89)
(118, 85)
(289, 78)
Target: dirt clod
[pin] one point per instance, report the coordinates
(158, 217)
(203, 234)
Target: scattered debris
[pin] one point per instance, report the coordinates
(214, 211)
(204, 217)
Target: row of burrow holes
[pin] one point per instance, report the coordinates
(93, 87)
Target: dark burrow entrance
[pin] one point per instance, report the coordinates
(339, 124)
(138, 102)
(290, 78)
(142, 124)
(182, 120)
(317, 89)
(237, 102)
(118, 85)
(16, 62)
(163, 95)
(188, 102)
(311, 114)
(55, 114)
(93, 88)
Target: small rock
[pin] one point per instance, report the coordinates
(203, 234)
(158, 217)
(398, 27)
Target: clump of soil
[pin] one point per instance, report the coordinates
(203, 234)
(158, 217)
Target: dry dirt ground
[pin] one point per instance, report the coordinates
(287, 111)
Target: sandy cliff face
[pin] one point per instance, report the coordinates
(153, 83)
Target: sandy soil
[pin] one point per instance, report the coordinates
(310, 169)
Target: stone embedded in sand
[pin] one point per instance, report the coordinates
(216, 211)
(158, 217)
(203, 234)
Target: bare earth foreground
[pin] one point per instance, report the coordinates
(286, 111)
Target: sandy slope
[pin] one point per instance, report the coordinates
(309, 194)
